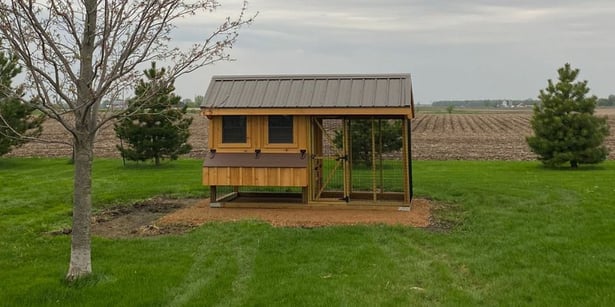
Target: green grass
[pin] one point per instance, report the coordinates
(524, 236)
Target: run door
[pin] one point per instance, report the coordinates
(330, 168)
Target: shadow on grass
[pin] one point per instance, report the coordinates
(581, 168)
(146, 165)
(86, 281)
(18, 163)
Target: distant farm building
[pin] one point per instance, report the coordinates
(292, 137)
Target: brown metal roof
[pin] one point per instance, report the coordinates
(310, 91)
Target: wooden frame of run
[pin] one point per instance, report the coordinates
(321, 178)
(406, 152)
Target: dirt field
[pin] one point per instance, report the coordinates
(498, 135)
(482, 136)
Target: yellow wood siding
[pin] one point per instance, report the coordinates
(257, 138)
(253, 176)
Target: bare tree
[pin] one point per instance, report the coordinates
(76, 53)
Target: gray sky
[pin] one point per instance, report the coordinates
(463, 49)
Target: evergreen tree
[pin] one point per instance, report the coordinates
(389, 132)
(565, 127)
(17, 123)
(155, 126)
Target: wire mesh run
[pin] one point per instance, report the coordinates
(360, 159)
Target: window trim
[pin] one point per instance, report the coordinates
(245, 132)
(268, 127)
(265, 134)
(220, 133)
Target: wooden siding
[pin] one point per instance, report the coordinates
(255, 176)
(257, 136)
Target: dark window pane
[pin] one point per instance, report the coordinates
(280, 129)
(233, 129)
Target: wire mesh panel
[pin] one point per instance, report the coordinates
(376, 157)
(359, 158)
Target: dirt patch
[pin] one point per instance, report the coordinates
(140, 219)
(444, 217)
(161, 216)
(201, 213)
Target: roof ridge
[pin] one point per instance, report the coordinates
(314, 76)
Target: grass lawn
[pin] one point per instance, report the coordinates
(524, 235)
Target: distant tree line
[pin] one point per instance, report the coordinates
(482, 103)
(606, 102)
(499, 103)
(122, 104)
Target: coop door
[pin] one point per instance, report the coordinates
(330, 160)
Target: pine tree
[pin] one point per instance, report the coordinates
(155, 126)
(564, 124)
(388, 138)
(17, 122)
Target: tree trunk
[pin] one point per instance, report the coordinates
(80, 254)
(83, 136)
(574, 164)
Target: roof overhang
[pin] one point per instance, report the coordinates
(383, 95)
(378, 112)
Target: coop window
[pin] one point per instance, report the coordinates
(280, 129)
(234, 129)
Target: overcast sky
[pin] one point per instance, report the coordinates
(462, 49)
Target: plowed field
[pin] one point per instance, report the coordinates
(481, 136)
(475, 136)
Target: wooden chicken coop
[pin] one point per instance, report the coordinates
(309, 139)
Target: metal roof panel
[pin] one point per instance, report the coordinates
(305, 91)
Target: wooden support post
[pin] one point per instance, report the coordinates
(310, 152)
(380, 149)
(374, 192)
(407, 158)
(404, 159)
(236, 190)
(213, 197)
(304, 195)
(346, 161)
(349, 153)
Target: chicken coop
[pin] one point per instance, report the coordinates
(309, 139)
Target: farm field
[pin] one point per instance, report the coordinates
(480, 134)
